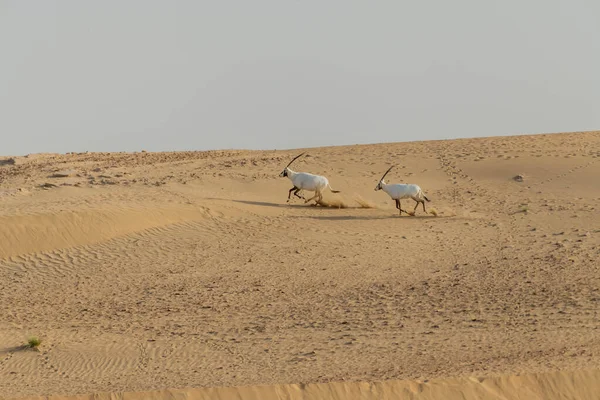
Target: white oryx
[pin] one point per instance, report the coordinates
(306, 181)
(399, 191)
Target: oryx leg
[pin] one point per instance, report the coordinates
(399, 207)
(419, 200)
(295, 190)
(312, 198)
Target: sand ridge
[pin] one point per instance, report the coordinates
(149, 271)
(582, 385)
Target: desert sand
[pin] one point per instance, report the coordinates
(183, 271)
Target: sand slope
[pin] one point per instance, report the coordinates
(579, 385)
(159, 270)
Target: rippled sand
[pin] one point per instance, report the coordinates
(183, 270)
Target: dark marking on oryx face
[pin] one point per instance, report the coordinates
(379, 185)
(284, 173)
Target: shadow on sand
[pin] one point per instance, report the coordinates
(253, 203)
(8, 350)
(332, 209)
(282, 205)
(364, 217)
(261, 203)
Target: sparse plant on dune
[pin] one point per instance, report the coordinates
(454, 194)
(33, 342)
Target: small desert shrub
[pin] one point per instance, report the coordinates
(33, 342)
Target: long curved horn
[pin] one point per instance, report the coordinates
(294, 159)
(386, 172)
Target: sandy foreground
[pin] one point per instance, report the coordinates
(150, 271)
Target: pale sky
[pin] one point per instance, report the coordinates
(114, 75)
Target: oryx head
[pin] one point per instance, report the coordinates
(381, 181)
(284, 173)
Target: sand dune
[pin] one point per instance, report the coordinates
(579, 385)
(33, 233)
(150, 271)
